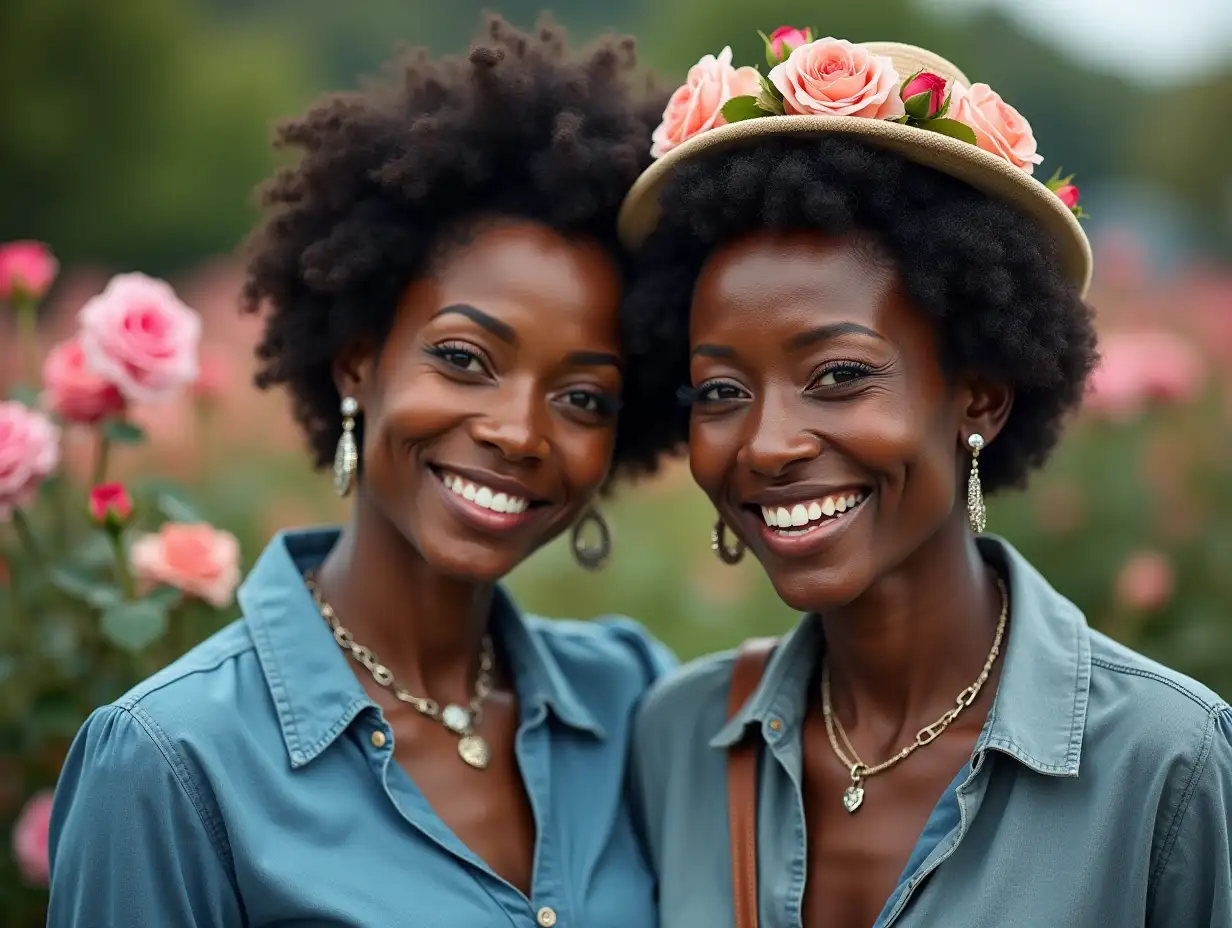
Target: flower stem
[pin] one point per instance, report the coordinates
(26, 535)
(121, 562)
(101, 458)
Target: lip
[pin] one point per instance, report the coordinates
(813, 541)
(493, 481)
(803, 493)
(477, 516)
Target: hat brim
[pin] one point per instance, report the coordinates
(986, 172)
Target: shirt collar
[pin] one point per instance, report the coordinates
(316, 693)
(1039, 713)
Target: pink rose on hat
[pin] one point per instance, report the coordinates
(697, 105)
(138, 335)
(999, 128)
(834, 77)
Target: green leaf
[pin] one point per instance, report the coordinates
(120, 432)
(81, 586)
(768, 89)
(771, 58)
(166, 596)
(135, 625)
(951, 127)
(770, 101)
(24, 394)
(177, 509)
(919, 104)
(738, 109)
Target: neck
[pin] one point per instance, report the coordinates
(900, 654)
(425, 627)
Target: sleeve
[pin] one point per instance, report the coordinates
(655, 658)
(1193, 881)
(129, 842)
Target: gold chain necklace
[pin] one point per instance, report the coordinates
(472, 748)
(853, 796)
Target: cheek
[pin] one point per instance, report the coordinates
(413, 409)
(585, 457)
(713, 446)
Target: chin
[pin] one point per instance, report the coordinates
(817, 588)
(468, 561)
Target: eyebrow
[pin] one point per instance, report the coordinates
(592, 358)
(826, 332)
(502, 331)
(713, 351)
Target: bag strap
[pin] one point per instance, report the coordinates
(742, 781)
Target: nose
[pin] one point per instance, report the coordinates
(514, 426)
(777, 440)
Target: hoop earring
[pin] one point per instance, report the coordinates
(346, 458)
(592, 557)
(976, 514)
(718, 543)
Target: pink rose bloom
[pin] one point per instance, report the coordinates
(196, 559)
(72, 391)
(833, 77)
(1136, 368)
(29, 453)
(30, 840)
(697, 105)
(1068, 194)
(787, 38)
(999, 128)
(929, 83)
(110, 504)
(1146, 581)
(138, 335)
(26, 270)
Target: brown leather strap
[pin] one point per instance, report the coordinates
(742, 782)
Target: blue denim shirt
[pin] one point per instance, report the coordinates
(240, 785)
(1098, 794)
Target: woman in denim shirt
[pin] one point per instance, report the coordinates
(384, 739)
(878, 325)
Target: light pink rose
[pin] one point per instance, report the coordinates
(26, 270)
(197, 559)
(785, 38)
(697, 105)
(999, 128)
(30, 840)
(1146, 581)
(1136, 368)
(72, 391)
(29, 454)
(833, 77)
(138, 335)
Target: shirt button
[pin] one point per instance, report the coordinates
(378, 739)
(546, 917)
(776, 725)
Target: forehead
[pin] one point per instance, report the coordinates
(527, 275)
(787, 280)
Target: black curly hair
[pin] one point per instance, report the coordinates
(987, 276)
(519, 129)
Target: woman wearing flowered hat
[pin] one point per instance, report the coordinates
(877, 312)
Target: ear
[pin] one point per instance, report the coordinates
(355, 372)
(987, 407)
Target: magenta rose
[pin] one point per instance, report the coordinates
(697, 105)
(833, 77)
(1068, 194)
(74, 392)
(999, 128)
(931, 84)
(30, 840)
(138, 335)
(26, 270)
(29, 454)
(786, 39)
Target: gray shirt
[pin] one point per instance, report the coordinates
(1098, 793)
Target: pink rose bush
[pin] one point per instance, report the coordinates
(999, 128)
(30, 840)
(138, 335)
(697, 105)
(833, 77)
(1146, 581)
(1138, 368)
(196, 559)
(74, 392)
(29, 454)
(26, 270)
(110, 505)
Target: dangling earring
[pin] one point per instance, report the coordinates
(592, 557)
(975, 492)
(346, 458)
(718, 544)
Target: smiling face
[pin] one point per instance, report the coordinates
(489, 415)
(824, 427)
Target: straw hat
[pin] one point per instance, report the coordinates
(988, 172)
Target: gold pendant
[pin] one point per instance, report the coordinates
(475, 751)
(853, 798)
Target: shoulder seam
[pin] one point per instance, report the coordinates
(1191, 787)
(1158, 678)
(213, 828)
(135, 698)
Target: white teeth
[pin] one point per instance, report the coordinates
(851, 501)
(485, 496)
(770, 515)
(841, 504)
(814, 511)
(783, 516)
(827, 506)
(801, 514)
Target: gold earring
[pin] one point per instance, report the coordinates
(346, 458)
(718, 543)
(592, 557)
(976, 513)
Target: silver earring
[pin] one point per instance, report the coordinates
(728, 554)
(346, 458)
(592, 557)
(976, 513)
